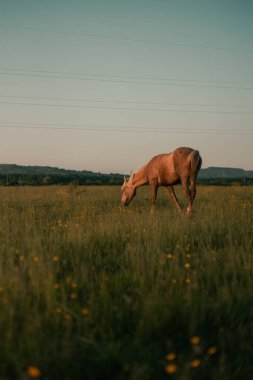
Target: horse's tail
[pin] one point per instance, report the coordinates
(195, 162)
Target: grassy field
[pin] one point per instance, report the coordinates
(91, 291)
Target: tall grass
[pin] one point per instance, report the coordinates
(89, 290)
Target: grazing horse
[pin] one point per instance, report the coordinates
(180, 166)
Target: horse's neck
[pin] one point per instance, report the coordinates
(140, 177)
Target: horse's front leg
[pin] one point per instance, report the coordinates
(174, 198)
(153, 188)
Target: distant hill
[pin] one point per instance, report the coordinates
(220, 172)
(211, 172)
(11, 174)
(48, 170)
(14, 175)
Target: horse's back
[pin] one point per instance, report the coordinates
(169, 168)
(162, 169)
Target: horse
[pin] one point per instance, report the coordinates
(168, 169)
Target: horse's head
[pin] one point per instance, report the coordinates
(128, 191)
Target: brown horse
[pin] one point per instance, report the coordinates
(180, 166)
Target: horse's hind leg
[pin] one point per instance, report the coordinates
(174, 197)
(193, 187)
(188, 195)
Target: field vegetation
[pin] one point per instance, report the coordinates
(90, 290)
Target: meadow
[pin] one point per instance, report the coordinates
(90, 290)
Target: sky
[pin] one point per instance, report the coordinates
(106, 85)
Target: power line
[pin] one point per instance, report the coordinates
(74, 124)
(126, 101)
(106, 128)
(137, 40)
(124, 81)
(123, 76)
(53, 74)
(126, 108)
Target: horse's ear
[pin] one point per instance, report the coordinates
(131, 177)
(125, 178)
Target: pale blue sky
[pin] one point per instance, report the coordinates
(78, 57)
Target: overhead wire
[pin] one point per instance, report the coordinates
(127, 39)
(107, 128)
(124, 108)
(127, 81)
(122, 76)
(124, 101)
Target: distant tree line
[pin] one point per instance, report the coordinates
(56, 179)
(240, 181)
(97, 179)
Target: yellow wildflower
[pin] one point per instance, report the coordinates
(212, 350)
(85, 311)
(33, 372)
(171, 368)
(195, 363)
(195, 340)
(171, 356)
